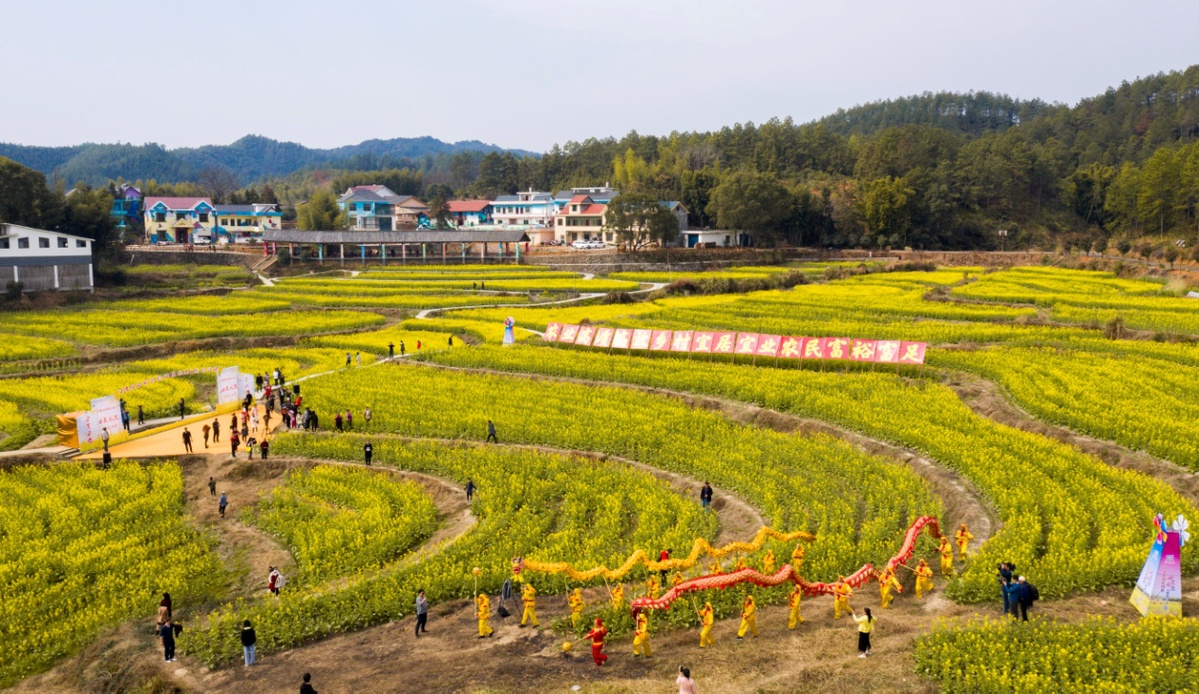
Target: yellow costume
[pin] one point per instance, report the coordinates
(707, 617)
(887, 583)
(714, 567)
(528, 595)
(924, 579)
(768, 563)
(842, 592)
(946, 550)
(575, 602)
(749, 617)
(618, 597)
(740, 564)
(653, 588)
(793, 615)
(483, 612)
(963, 537)
(641, 636)
(676, 579)
(797, 557)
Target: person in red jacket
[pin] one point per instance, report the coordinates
(596, 636)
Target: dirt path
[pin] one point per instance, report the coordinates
(961, 502)
(988, 399)
(819, 655)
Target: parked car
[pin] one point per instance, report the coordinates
(581, 244)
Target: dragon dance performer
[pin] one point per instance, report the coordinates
(653, 588)
(676, 578)
(963, 537)
(924, 579)
(887, 583)
(483, 612)
(749, 618)
(797, 557)
(618, 598)
(575, 602)
(768, 563)
(740, 564)
(707, 617)
(528, 596)
(842, 592)
(641, 636)
(946, 550)
(596, 636)
(715, 567)
(793, 602)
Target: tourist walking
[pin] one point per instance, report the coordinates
(366, 416)
(141, 416)
(251, 443)
(865, 626)
(391, 350)
(705, 496)
(1004, 577)
(182, 408)
(187, 440)
(422, 613)
(166, 632)
(264, 448)
(104, 438)
(234, 442)
(211, 486)
(470, 489)
(347, 359)
(401, 348)
(306, 688)
(207, 431)
(686, 684)
(275, 581)
(337, 421)
(216, 430)
(222, 503)
(248, 641)
(358, 358)
(491, 432)
(367, 451)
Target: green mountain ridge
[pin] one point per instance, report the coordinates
(250, 158)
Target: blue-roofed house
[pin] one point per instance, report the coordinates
(126, 205)
(244, 223)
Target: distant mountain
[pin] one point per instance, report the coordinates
(251, 158)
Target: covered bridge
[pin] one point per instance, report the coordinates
(444, 246)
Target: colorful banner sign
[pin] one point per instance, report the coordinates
(861, 350)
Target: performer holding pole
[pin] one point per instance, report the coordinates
(641, 636)
(707, 617)
(575, 602)
(886, 583)
(596, 636)
(842, 592)
(749, 618)
(946, 550)
(793, 601)
(963, 537)
(924, 579)
(528, 596)
(483, 612)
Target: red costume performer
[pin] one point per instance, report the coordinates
(596, 637)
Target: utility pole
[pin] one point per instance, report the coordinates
(1003, 239)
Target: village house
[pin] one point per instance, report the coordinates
(469, 213)
(242, 223)
(179, 220)
(41, 260)
(582, 218)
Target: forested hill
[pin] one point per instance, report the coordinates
(1125, 122)
(972, 113)
(251, 158)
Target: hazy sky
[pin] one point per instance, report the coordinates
(531, 73)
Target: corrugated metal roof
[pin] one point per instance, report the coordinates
(373, 237)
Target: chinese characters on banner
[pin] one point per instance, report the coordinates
(741, 344)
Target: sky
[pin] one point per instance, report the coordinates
(531, 73)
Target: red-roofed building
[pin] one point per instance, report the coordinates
(581, 218)
(469, 213)
(179, 220)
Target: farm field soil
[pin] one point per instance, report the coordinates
(819, 655)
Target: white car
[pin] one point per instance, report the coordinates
(581, 244)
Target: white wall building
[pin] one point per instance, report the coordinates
(42, 260)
